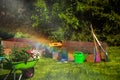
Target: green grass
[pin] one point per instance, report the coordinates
(48, 69)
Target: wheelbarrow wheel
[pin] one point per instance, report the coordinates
(28, 73)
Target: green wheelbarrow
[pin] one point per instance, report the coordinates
(27, 68)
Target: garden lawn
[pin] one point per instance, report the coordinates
(48, 69)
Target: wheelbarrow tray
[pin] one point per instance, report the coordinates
(23, 65)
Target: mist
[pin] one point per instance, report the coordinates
(15, 12)
(15, 16)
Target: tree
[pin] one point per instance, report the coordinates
(58, 14)
(104, 16)
(74, 17)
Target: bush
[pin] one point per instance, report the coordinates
(19, 54)
(1, 51)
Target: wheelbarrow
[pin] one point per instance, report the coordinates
(27, 68)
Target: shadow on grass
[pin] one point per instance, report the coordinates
(11, 77)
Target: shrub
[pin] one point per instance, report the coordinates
(1, 51)
(19, 54)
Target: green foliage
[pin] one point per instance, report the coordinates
(40, 13)
(57, 35)
(5, 35)
(113, 40)
(62, 14)
(70, 19)
(19, 54)
(1, 51)
(20, 35)
(74, 16)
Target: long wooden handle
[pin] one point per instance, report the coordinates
(97, 40)
(94, 36)
(96, 52)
